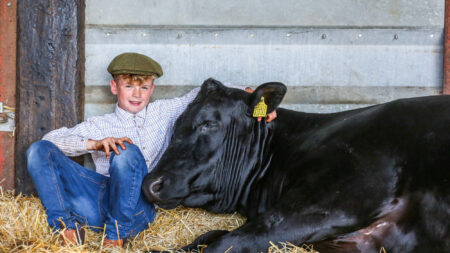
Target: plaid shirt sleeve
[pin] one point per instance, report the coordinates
(72, 141)
(180, 104)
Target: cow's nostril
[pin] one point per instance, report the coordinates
(155, 186)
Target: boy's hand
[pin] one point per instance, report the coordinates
(108, 144)
(270, 116)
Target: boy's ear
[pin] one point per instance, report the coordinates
(113, 86)
(272, 92)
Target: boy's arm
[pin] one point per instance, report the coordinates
(182, 102)
(179, 104)
(73, 141)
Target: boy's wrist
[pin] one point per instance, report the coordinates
(90, 144)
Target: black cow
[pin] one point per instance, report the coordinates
(352, 181)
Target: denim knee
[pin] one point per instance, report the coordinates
(39, 147)
(38, 152)
(131, 157)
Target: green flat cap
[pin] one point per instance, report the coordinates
(134, 63)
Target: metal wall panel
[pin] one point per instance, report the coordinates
(304, 13)
(331, 56)
(297, 57)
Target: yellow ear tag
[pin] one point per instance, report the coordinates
(260, 109)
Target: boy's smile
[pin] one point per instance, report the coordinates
(132, 96)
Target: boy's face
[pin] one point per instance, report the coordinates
(131, 95)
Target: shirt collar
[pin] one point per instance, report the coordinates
(122, 114)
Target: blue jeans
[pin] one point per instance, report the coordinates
(72, 194)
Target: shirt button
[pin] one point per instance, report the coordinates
(146, 161)
(139, 126)
(143, 148)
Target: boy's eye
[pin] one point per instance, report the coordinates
(128, 86)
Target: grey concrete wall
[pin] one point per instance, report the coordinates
(333, 55)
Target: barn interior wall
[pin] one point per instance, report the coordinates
(331, 56)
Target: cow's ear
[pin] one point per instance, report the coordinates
(273, 93)
(210, 85)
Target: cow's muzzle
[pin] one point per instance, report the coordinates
(151, 188)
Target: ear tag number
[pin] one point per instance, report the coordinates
(260, 109)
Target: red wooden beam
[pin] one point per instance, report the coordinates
(50, 74)
(8, 35)
(446, 83)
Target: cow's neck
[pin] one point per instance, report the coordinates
(245, 161)
(270, 170)
(254, 165)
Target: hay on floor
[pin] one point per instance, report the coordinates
(23, 228)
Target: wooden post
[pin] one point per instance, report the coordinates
(50, 73)
(446, 83)
(8, 37)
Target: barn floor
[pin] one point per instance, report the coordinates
(23, 228)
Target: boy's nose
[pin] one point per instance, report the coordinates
(136, 92)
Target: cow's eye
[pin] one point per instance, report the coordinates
(207, 126)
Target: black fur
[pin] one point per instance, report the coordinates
(352, 181)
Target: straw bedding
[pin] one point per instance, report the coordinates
(23, 228)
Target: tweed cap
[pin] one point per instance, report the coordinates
(134, 63)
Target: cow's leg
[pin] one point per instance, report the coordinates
(200, 242)
(329, 230)
(205, 239)
(399, 228)
(276, 226)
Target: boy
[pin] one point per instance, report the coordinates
(124, 145)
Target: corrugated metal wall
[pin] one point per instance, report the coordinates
(333, 55)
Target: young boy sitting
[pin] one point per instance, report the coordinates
(124, 145)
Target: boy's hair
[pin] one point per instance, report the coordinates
(132, 78)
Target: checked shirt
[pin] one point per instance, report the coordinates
(149, 129)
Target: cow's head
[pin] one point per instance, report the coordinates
(216, 150)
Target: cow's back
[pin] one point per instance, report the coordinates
(377, 156)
